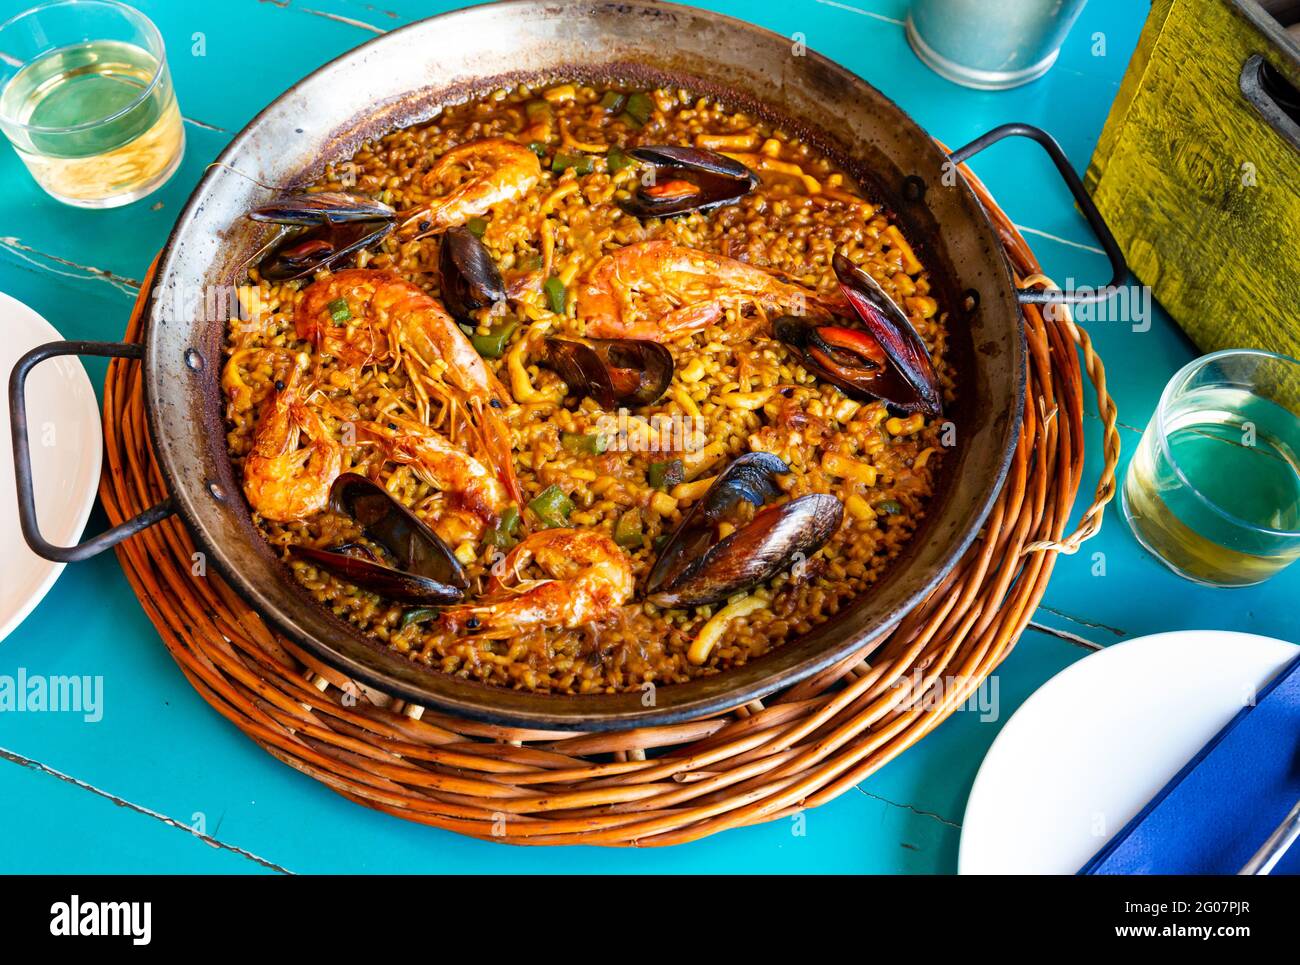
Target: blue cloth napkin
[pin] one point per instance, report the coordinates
(1217, 811)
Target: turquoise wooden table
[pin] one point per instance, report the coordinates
(162, 783)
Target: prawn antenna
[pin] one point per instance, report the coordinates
(246, 177)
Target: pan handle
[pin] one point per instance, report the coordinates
(1119, 267)
(23, 461)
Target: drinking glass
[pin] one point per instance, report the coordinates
(1214, 487)
(88, 102)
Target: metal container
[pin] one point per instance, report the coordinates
(990, 44)
(393, 81)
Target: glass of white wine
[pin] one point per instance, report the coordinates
(87, 101)
(1214, 487)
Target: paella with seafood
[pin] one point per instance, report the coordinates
(576, 389)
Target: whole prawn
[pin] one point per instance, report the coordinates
(590, 578)
(368, 316)
(696, 288)
(500, 170)
(383, 315)
(283, 480)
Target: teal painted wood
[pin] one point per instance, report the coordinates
(67, 828)
(160, 749)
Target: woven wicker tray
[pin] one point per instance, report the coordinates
(655, 785)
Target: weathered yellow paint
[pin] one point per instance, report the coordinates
(1202, 193)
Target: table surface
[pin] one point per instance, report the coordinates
(163, 783)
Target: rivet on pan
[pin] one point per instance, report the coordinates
(194, 359)
(217, 492)
(970, 300)
(913, 188)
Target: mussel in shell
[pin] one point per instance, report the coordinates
(695, 568)
(612, 371)
(889, 361)
(319, 231)
(325, 246)
(687, 179)
(468, 279)
(850, 359)
(319, 207)
(426, 570)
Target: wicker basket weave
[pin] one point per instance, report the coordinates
(655, 785)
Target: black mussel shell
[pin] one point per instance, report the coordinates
(850, 359)
(693, 158)
(426, 572)
(751, 477)
(416, 548)
(322, 207)
(688, 179)
(357, 551)
(894, 332)
(695, 569)
(324, 246)
(775, 538)
(612, 371)
(387, 582)
(467, 277)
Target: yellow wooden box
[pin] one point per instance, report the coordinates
(1198, 170)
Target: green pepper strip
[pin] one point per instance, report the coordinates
(627, 531)
(502, 535)
(617, 159)
(665, 474)
(639, 108)
(581, 163)
(552, 506)
(339, 310)
(556, 295)
(493, 344)
(589, 442)
(417, 615)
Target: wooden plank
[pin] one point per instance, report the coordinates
(1129, 90)
(1203, 194)
(70, 828)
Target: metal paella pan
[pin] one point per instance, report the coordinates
(392, 82)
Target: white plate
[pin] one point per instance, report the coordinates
(67, 447)
(1095, 743)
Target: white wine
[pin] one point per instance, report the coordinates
(89, 126)
(1218, 496)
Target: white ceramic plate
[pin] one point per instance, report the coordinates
(67, 447)
(1095, 743)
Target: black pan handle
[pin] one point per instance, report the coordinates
(23, 456)
(1119, 267)
(1273, 96)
